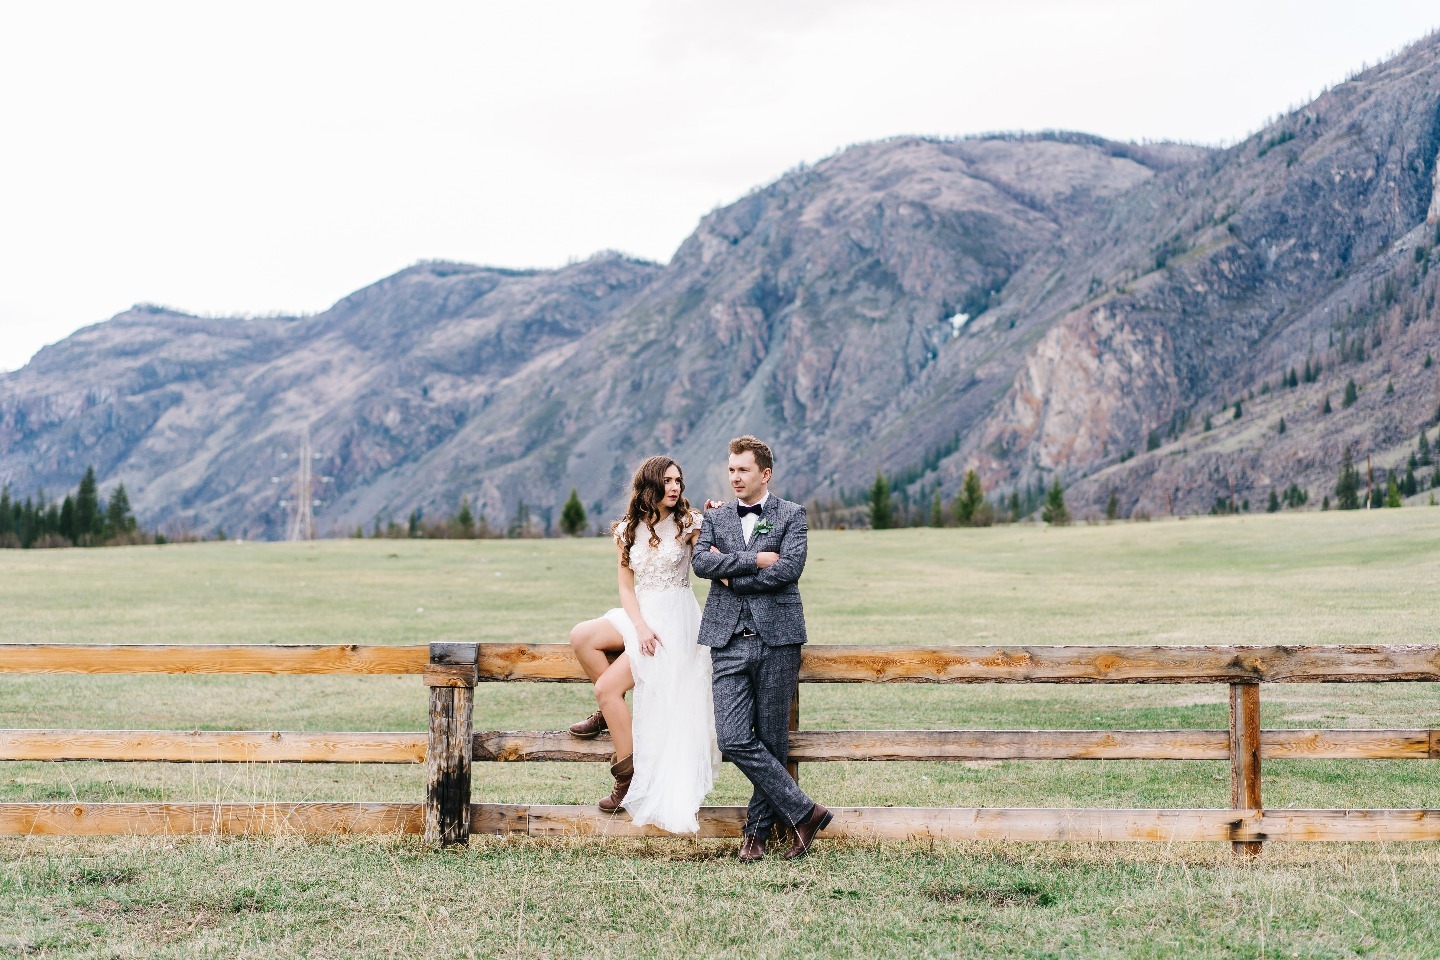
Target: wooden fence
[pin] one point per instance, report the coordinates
(453, 671)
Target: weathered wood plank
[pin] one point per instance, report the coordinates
(809, 746)
(447, 757)
(1042, 664)
(1245, 756)
(812, 746)
(228, 746)
(213, 658)
(878, 823)
(453, 653)
(1015, 824)
(450, 675)
(822, 663)
(792, 764)
(82, 819)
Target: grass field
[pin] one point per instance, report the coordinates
(1311, 578)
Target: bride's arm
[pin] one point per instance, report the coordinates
(648, 638)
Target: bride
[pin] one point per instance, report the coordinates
(663, 776)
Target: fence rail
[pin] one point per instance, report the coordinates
(806, 746)
(454, 671)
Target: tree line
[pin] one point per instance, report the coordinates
(80, 519)
(464, 524)
(970, 508)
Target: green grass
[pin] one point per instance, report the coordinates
(1311, 578)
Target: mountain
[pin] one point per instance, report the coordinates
(1029, 306)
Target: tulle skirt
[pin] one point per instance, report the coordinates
(676, 756)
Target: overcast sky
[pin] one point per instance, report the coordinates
(273, 157)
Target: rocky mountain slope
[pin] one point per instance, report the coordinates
(1029, 306)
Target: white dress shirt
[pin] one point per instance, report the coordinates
(747, 522)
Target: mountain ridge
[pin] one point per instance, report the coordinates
(1031, 306)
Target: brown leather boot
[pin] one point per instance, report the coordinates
(805, 831)
(752, 849)
(591, 727)
(623, 771)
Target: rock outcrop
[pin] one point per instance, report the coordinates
(1030, 306)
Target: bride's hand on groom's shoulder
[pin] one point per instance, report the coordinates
(712, 504)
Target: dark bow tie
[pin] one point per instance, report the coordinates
(744, 510)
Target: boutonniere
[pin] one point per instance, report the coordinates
(764, 526)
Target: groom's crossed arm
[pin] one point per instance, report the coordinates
(794, 543)
(713, 565)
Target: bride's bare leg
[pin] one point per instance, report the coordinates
(590, 640)
(610, 691)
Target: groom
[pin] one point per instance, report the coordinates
(753, 551)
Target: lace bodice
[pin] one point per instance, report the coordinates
(664, 567)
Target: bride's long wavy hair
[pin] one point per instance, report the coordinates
(647, 491)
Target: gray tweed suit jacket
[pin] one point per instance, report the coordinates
(773, 594)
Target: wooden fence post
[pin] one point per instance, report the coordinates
(451, 676)
(793, 766)
(1245, 756)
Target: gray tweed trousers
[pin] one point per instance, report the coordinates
(753, 685)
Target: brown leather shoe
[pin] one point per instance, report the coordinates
(623, 771)
(591, 727)
(805, 832)
(752, 849)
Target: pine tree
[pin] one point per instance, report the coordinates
(882, 511)
(1274, 505)
(413, 526)
(1112, 506)
(972, 495)
(573, 520)
(1281, 428)
(1423, 449)
(7, 526)
(465, 520)
(52, 519)
(67, 518)
(1054, 511)
(1347, 488)
(1239, 410)
(88, 519)
(1352, 394)
(1409, 486)
(118, 518)
(1015, 505)
(1326, 408)
(937, 510)
(1207, 423)
(1392, 493)
(519, 523)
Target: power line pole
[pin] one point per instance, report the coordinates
(303, 503)
(302, 521)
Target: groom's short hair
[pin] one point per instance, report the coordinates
(763, 458)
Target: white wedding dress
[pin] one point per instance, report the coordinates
(676, 757)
